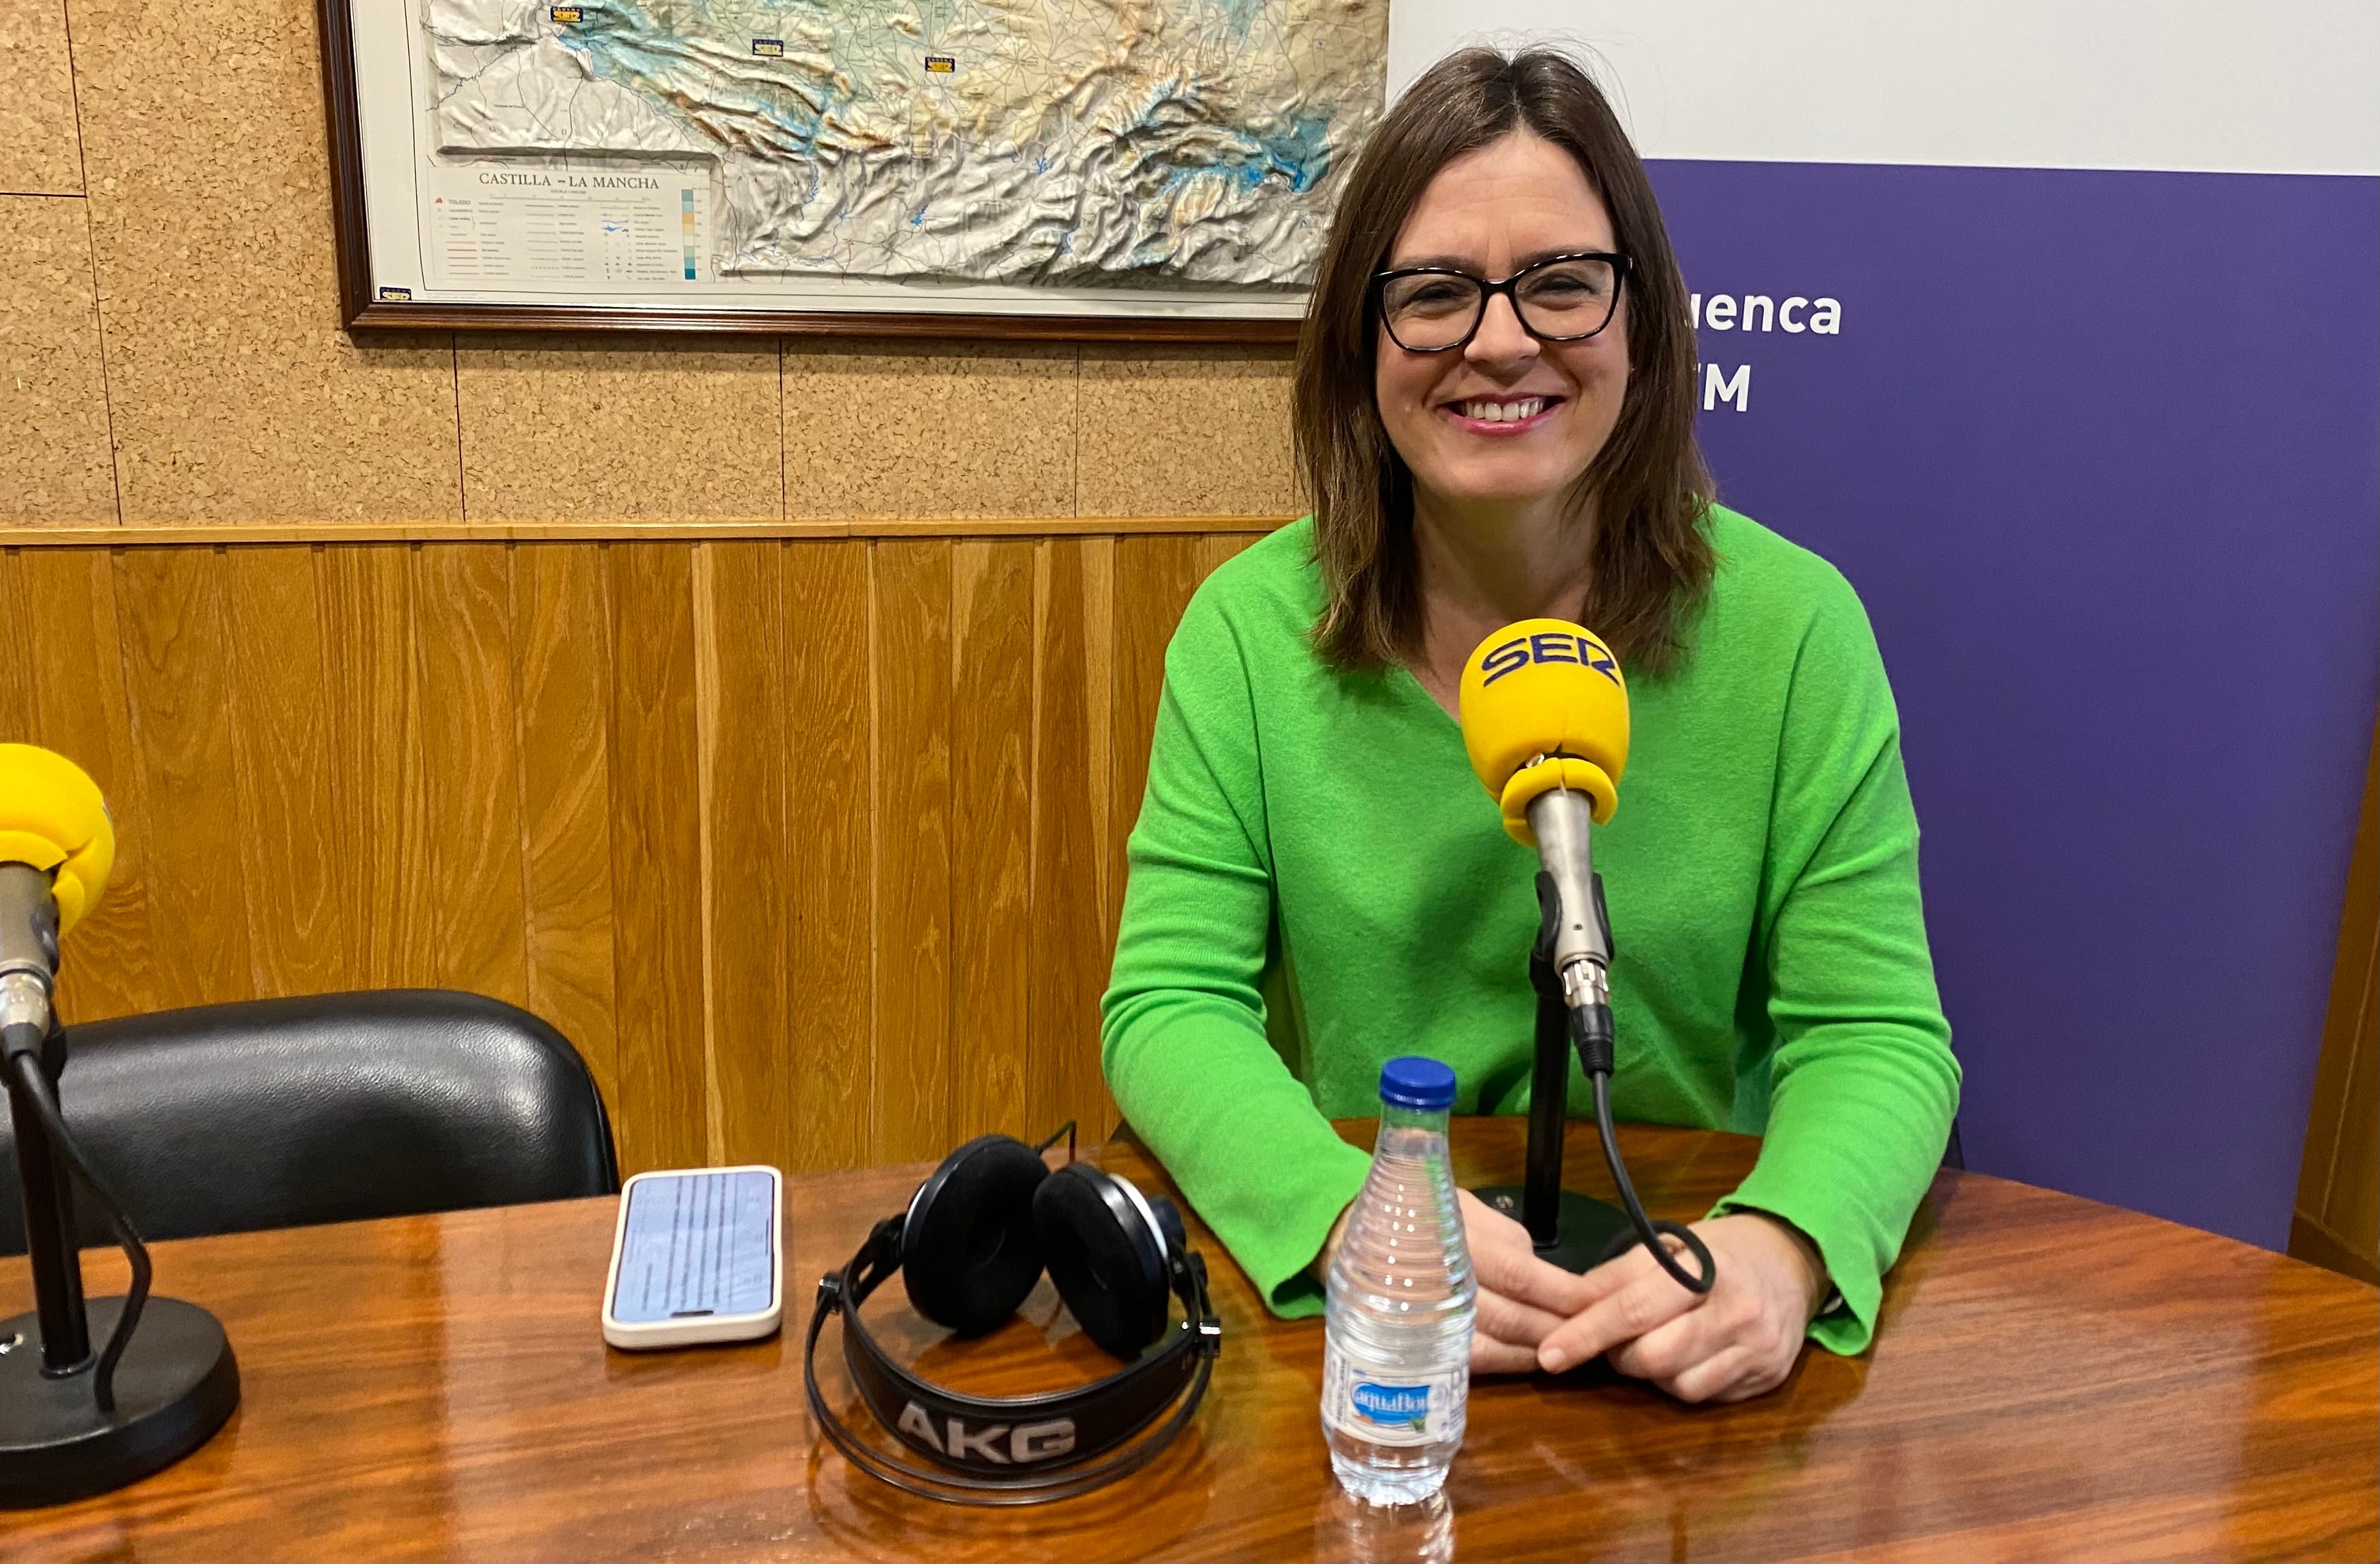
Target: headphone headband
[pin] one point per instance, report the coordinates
(1011, 1450)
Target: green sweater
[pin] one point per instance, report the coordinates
(1320, 837)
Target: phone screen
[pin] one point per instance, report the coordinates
(698, 1244)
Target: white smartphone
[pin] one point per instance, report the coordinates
(698, 1255)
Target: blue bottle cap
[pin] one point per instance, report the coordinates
(1415, 1082)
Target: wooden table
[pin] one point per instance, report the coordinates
(2054, 1378)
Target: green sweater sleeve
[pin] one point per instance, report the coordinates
(1863, 1084)
(1183, 1040)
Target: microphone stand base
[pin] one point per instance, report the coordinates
(1581, 1234)
(176, 1384)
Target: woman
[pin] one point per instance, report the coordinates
(1494, 415)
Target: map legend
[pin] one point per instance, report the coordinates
(582, 223)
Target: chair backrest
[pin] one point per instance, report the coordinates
(329, 1109)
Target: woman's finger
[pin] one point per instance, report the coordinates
(1650, 1301)
(1515, 1271)
(1729, 1375)
(1543, 1285)
(1491, 1356)
(1622, 1270)
(1505, 1261)
(1671, 1348)
(1507, 1319)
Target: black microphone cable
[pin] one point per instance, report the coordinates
(23, 1047)
(1591, 1033)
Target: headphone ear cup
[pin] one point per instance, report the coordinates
(1105, 1256)
(1169, 1223)
(969, 1255)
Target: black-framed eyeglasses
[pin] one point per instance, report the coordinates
(1561, 298)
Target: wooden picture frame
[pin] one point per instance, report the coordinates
(362, 308)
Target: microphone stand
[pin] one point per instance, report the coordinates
(49, 1226)
(1569, 1229)
(74, 1423)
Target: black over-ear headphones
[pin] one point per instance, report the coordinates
(975, 1238)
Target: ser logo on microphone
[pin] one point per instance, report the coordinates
(1548, 645)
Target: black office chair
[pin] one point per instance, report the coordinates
(328, 1108)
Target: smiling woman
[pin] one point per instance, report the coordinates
(1502, 166)
(1495, 417)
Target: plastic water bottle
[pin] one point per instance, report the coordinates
(1396, 1360)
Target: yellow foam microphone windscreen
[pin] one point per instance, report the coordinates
(52, 817)
(1543, 707)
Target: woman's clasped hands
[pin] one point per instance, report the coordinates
(1738, 1341)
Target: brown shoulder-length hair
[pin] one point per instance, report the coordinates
(1651, 560)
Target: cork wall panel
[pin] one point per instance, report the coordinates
(804, 844)
(1184, 431)
(617, 429)
(942, 429)
(216, 385)
(55, 464)
(236, 396)
(40, 152)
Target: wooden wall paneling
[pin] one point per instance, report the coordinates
(290, 852)
(1098, 556)
(2337, 1218)
(656, 858)
(16, 635)
(992, 826)
(828, 811)
(66, 655)
(891, 780)
(2351, 1211)
(562, 650)
(1154, 578)
(172, 608)
(1214, 548)
(910, 619)
(373, 690)
(470, 743)
(739, 623)
(1067, 919)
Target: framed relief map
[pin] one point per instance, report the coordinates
(1147, 169)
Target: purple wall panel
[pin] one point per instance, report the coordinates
(2101, 452)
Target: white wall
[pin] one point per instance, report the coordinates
(2269, 86)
